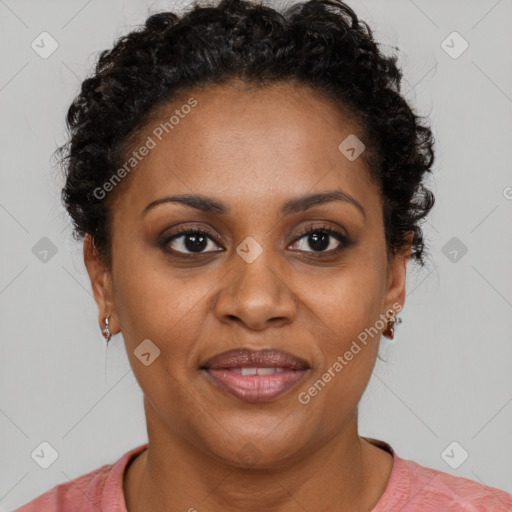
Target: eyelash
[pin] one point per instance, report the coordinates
(329, 230)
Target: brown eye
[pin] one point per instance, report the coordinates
(190, 241)
(322, 240)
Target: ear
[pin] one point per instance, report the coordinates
(397, 269)
(101, 283)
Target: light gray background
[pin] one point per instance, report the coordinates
(448, 377)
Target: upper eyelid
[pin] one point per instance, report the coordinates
(305, 231)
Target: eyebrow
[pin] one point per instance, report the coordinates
(302, 203)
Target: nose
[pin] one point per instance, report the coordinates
(256, 295)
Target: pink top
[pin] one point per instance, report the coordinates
(411, 488)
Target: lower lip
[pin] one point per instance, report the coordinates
(255, 388)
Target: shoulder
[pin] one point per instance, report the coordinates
(423, 488)
(100, 489)
(88, 487)
(412, 487)
(458, 490)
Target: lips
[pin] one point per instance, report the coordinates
(255, 376)
(268, 358)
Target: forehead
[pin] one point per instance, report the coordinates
(240, 142)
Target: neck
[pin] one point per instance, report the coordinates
(174, 475)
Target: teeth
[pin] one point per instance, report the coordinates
(257, 371)
(266, 371)
(249, 371)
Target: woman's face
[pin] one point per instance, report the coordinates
(255, 281)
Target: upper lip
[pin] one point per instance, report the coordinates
(265, 358)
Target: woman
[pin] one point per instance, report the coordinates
(249, 185)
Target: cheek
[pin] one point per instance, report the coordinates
(156, 303)
(346, 312)
(169, 311)
(348, 302)
(148, 303)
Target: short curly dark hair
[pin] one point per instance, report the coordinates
(319, 43)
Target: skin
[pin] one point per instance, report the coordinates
(252, 150)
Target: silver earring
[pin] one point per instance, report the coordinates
(106, 332)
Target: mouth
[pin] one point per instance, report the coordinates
(255, 376)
